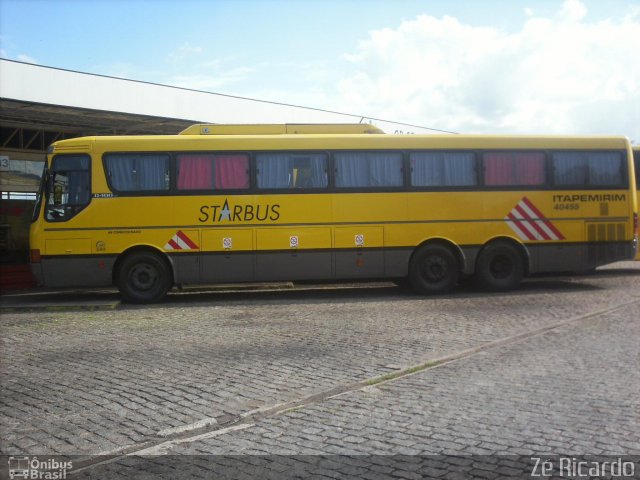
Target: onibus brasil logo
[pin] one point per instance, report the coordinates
(35, 468)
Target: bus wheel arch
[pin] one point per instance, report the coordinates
(435, 266)
(143, 274)
(501, 264)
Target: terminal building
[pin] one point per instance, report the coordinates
(39, 105)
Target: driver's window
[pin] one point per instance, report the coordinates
(68, 187)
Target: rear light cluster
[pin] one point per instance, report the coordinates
(34, 255)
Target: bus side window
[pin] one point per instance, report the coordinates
(588, 168)
(138, 172)
(368, 169)
(309, 172)
(286, 170)
(505, 168)
(443, 169)
(205, 171)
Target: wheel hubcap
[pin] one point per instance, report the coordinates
(501, 267)
(143, 276)
(435, 268)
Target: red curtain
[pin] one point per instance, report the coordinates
(195, 172)
(498, 169)
(514, 168)
(529, 169)
(232, 171)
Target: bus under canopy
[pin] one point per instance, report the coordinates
(147, 213)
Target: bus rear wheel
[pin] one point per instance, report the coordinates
(433, 269)
(143, 277)
(500, 267)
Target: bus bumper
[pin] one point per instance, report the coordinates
(36, 270)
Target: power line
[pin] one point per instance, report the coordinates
(239, 97)
(405, 124)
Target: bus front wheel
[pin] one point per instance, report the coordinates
(433, 269)
(500, 267)
(143, 277)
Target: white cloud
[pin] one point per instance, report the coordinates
(573, 10)
(184, 52)
(26, 58)
(561, 74)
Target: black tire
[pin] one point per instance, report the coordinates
(500, 267)
(433, 269)
(143, 277)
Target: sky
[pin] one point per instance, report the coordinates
(467, 66)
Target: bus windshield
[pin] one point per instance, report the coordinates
(41, 189)
(67, 187)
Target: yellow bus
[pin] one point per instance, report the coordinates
(225, 204)
(636, 161)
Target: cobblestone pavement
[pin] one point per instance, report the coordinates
(574, 390)
(94, 382)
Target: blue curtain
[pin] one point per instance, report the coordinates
(570, 168)
(130, 173)
(605, 168)
(276, 170)
(318, 171)
(368, 169)
(439, 169)
(587, 168)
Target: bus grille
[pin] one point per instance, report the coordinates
(607, 242)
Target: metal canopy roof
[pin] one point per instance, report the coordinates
(83, 121)
(32, 127)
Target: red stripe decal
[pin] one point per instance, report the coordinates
(174, 245)
(546, 221)
(186, 239)
(533, 223)
(554, 229)
(532, 207)
(519, 223)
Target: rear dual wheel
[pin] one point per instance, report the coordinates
(433, 269)
(500, 267)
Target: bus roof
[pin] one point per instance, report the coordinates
(308, 141)
(279, 129)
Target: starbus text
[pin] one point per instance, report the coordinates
(239, 213)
